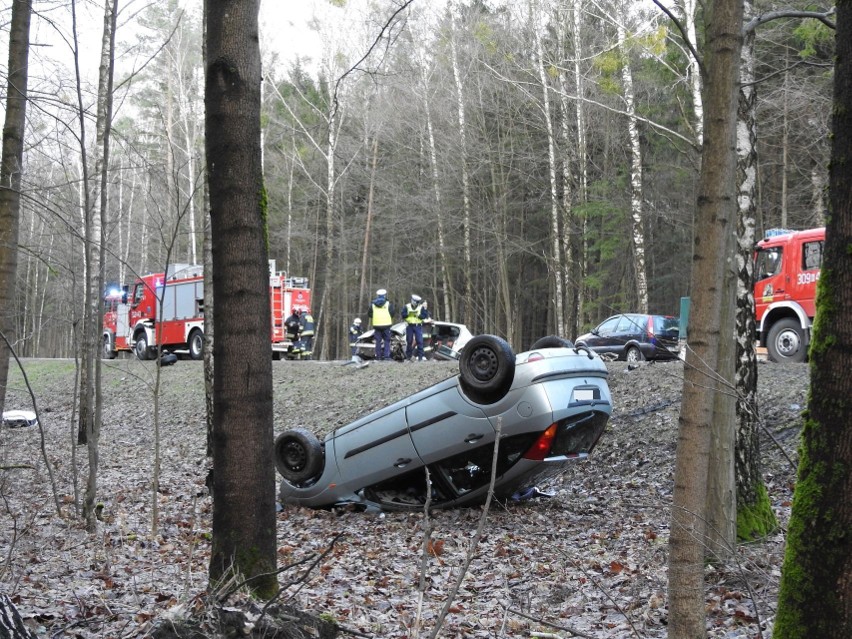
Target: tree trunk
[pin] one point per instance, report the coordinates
(555, 261)
(571, 326)
(693, 71)
(11, 167)
(244, 541)
(715, 213)
(638, 227)
(578, 266)
(362, 288)
(94, 284)
(815, 598)
(754, 511)
(445, 282)
(467, 266)
(11, 624)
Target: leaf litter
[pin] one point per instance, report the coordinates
(592, 558)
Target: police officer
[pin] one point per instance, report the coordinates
(306, 321)
(355, 330)
(381, 317)
(414, 314)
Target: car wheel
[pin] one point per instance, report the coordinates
(196, 344)
(552, 341)
(398, 348)
(487, 368)
(633, 354)
(298, 455)
(140, 346)
(786, 342)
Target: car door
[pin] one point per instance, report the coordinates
(631, 328)
(375, 449)
(603, 336)
(445, 424)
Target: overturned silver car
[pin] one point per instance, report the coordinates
(550, 406)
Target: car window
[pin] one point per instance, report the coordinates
(666, 325)
(812, 255)
(631, 324)
(608, 327)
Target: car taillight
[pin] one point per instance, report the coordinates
(541, 448)
(534, 357)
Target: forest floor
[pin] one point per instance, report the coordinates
(592, 558)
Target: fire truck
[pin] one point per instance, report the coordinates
(787, 267)
(167, 310)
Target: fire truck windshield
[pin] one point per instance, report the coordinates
(768, 262)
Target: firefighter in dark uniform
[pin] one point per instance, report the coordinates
(293, 327)
(381, 317)
(307, 333)
(355, 330)
(414, 313)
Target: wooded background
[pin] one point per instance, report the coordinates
(528, 168)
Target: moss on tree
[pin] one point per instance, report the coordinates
(756, 520)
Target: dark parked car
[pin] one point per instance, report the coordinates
(634, 337)
(549, 404)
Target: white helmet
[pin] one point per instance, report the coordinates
(357, 320)
(416, 299)
(381, 292)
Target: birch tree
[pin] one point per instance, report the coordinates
(638, 226)
(555, 261)
(465, 177)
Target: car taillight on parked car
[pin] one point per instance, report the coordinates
(541, 448)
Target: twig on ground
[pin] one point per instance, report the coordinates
(454, 591)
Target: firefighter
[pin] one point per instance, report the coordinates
(414, 314)
(293, 327)
(306, 320)
(381, 317)
(355, 331)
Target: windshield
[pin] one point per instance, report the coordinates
(768, 262)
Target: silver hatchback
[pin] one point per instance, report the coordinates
(550, 406)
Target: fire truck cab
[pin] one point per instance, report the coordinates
(787, 268)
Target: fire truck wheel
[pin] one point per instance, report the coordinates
(298, 455)
(551, 341)
(786, 342)
(486, 369)
(196, 344)
(141, 347)
(108, 352)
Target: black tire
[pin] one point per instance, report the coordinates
(108, 352)
(398, 348)
(298, 455)
(486, 369)
(141, 348)
(786, 342)
(196, 344)
(552, 341)
(633, 354)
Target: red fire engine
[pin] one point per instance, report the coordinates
(787, 267)
(173, 304)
